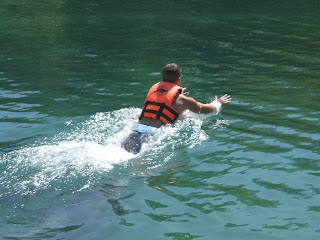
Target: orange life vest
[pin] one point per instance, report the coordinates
(158, 103)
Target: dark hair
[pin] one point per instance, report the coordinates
(171, 72)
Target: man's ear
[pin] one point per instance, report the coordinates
(178, 81)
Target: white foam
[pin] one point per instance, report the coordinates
(91, 148)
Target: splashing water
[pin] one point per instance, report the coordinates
(76, 160)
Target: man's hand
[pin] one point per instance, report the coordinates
(184, 93)
(224, 99)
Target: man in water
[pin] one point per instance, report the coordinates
(164, 103)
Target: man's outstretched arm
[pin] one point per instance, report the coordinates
(183, 103)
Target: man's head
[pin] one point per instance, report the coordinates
(171, 73)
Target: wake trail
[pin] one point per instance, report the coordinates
(77, 159)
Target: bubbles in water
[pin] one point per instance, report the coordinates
(75, 160)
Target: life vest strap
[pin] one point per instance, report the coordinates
(159, 113)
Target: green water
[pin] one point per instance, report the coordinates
(73, 77)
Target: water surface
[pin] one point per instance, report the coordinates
(73, 77)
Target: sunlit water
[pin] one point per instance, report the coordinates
(87, 158)
(73, 160)
(73, 78)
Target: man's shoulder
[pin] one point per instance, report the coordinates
(183, 102)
